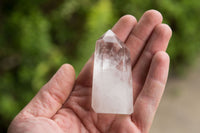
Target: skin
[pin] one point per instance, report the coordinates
(63, 105)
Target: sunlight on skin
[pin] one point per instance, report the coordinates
(64, 105)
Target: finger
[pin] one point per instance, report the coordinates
(52, 95)
(157, 42)
(122, 29)
(124, 26)
(141, 33)
(148, 100)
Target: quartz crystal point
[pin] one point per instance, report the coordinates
(112, 78)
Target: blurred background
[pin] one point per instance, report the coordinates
(38, 36)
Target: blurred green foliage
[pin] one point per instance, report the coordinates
(38, 36)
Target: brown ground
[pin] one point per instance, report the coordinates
(179, 110)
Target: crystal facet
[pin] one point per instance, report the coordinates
(112, 78)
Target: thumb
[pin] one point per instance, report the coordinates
(52, 95)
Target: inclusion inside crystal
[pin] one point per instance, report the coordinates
(112, 78)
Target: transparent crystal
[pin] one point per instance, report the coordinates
(112, 78)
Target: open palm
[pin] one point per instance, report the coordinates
(63, 105)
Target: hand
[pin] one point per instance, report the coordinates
(64, 106)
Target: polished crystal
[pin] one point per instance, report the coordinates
(112, 77)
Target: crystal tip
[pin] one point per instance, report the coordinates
(109, 33)
(110, 36)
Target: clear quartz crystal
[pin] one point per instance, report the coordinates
(112, 90)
